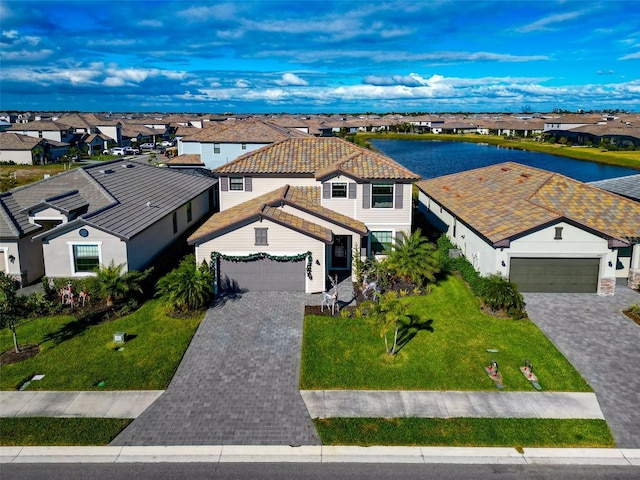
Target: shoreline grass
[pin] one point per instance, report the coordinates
(466, 432)
(628, 159)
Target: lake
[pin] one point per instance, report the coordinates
(431, 159)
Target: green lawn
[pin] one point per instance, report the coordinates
(445, 348)
(76, 356)
(59, 431)
(465, 432)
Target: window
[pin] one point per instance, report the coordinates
(236, 183)
(381, 196)
(261, 236)
(86, 258)
(189, 212)
(338, 190)
(175, 222)
(380, 242)
(244, 146)
(558, 233)
(216, 148)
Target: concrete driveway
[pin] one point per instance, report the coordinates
(604, 345)
(238, 381)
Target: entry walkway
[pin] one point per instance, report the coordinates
(437, 404)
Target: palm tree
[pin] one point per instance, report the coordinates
(389, 310)
(187, 287)
(413, 258)
(112, 284)
(9, 307)
(499, 293)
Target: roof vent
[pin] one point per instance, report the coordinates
(106, 171)
(505, 169)
(126, 165)
(148, 204)
(525, 175)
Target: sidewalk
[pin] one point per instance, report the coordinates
(108, 404)
(325, 404)
(439, 404)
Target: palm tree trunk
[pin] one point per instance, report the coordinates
(386, 344)
(395, 341)
(15, 340)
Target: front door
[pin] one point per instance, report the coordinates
(340, 252)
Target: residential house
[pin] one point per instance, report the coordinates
(22, 149)
(293, 212)
(542, 230)
(123, 212)
(221, 143)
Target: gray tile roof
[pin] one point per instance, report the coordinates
(626, 186)
(114, 194)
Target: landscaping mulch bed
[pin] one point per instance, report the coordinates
(633, 316)
(26, 352)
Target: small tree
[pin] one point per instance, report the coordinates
(9, 306)
(111, 284)
(187, 287)
(389, 310)
(413, 258)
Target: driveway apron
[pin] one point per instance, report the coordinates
(604, 345)
(238, 381)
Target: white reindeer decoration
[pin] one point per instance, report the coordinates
(330, 299)
(369, 288)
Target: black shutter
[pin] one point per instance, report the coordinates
(398, 191)
(224, 184)
(366, 195)
(247, 184)
(352, 190)
(326, 190)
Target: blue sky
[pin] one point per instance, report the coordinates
(319, 56)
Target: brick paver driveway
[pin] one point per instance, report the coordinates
(604, 345)
(238, 381)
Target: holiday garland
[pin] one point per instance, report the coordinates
(252, 257)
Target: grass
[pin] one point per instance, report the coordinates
(630, 159)
(76, 356)
(38, 431)
(465, 432)
(444, 348)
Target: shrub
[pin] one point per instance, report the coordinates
(188, 287)
(500, 294)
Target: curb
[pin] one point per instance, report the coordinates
(321, 454)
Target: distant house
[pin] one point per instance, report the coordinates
(121, 211)
(542, 230)
(296, 211)
(221, 143)
(22, 149)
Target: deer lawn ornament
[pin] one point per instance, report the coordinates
(369, 288)
(330, 299)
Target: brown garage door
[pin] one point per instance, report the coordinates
(264, 275)
(560, 275)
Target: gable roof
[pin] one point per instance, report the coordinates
(113, 194)
(626, 186)
(506, 200)
(306, 199)
(17, 141)
(251, 130)
(319, 157)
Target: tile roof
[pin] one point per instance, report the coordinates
(17, 141)
(319, 157)
(115, 194)
(251, 130)
(626, 186)
(504, 201)
(190, 159)
(304, 198)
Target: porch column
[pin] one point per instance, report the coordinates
(634, 268)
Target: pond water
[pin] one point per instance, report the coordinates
(431, 159)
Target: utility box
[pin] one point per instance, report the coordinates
(119, 337)
(455, 253)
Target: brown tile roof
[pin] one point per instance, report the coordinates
(503, 201)
(319, 157)
(192, 159)
(250, 130)
(16, 141)
(304, 198)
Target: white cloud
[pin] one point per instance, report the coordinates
(151, 23)
(549, 22)
(630, 56)
(291, 79)
(222, 11)
(242, 83)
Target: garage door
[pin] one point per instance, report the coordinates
(561, 275)
(263, 275)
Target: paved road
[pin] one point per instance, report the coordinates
(238, 381)
(604, 345)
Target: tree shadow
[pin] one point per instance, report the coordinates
(83, 321)
(408, 330)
